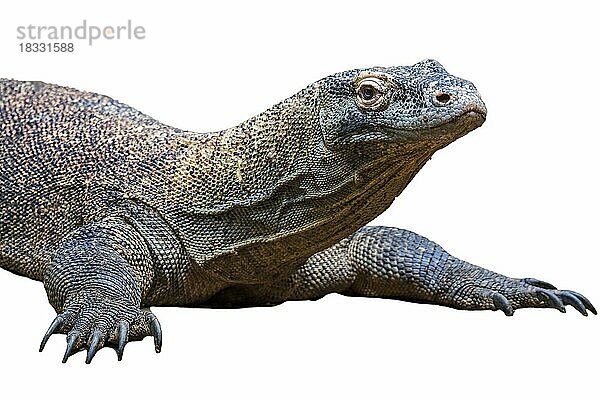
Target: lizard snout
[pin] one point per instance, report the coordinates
(459, 99)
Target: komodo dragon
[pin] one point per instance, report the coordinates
(115, 212)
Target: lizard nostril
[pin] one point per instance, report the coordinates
(443, 97)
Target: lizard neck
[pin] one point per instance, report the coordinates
(245, 164)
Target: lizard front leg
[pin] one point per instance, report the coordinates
(395, 263)
(96, 283)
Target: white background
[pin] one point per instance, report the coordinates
(519, 195)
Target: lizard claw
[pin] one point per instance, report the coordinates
(71, 340)
(92, 322)
(560, 298)
(588, 305)
(538, 283)
(502, 303)
(508, 294)
(548, 296)
(572, 300)
(156, 332)
(54, 327)
(94, 346)
(123, 331)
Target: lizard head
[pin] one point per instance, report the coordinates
(397, 106)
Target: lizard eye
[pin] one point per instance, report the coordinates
(370, 93)
(367, 92)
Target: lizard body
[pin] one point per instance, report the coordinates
(116, 212)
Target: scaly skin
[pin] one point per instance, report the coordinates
(116, 212)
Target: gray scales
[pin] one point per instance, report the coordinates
(115, 212)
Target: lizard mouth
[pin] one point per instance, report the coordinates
(473, 113)
(472, 117)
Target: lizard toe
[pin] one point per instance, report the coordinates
(547, 295)
(508, 294)
(146, 324)
(55, 327)
(92, 321)
(94, 345)
(73, 345)
(538, 283)
(550, 299)
(502, 303)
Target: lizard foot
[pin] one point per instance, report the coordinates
(92, 321)
(512, 294)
